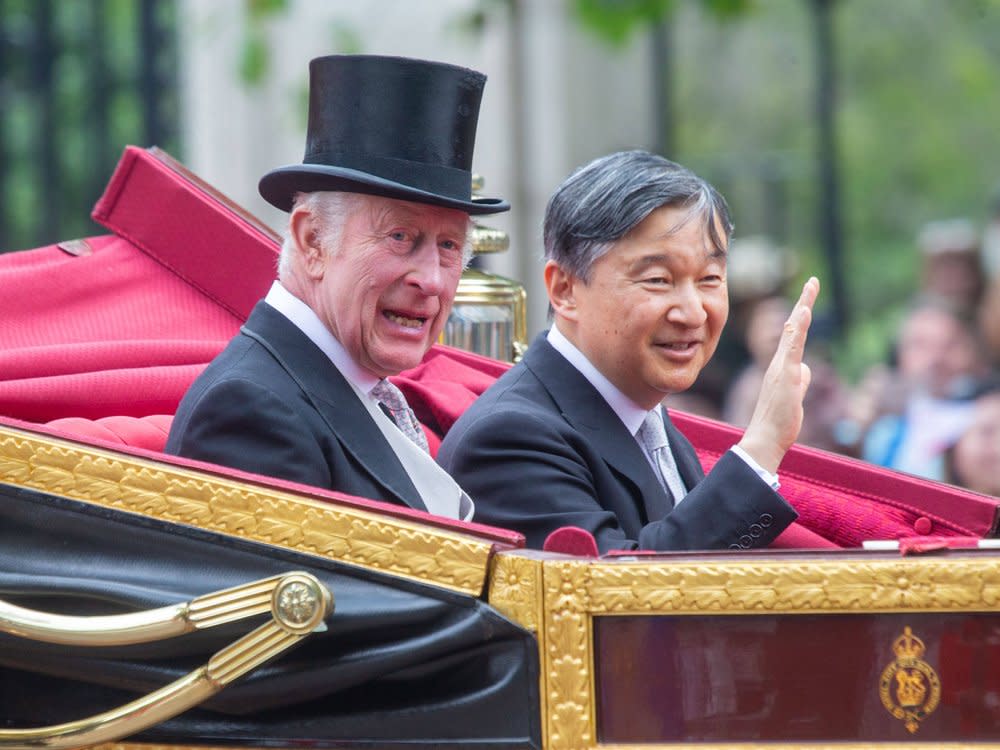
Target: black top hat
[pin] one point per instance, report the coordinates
(388, 126)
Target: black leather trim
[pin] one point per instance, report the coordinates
(401, 664)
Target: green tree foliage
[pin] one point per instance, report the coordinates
(919, 139)
(70, 84)
(617, 20)
(255, 58)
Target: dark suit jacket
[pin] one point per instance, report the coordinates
(274, 404)
(542, 449)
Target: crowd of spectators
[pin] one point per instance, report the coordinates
(932, 407)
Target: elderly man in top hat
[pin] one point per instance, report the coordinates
(377, 240)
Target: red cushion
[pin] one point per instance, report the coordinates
(149, 433)
(798, 536)
(571, 540)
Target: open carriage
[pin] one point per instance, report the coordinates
(163, 601)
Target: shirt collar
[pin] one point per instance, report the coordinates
(306, 320)
(629, 412)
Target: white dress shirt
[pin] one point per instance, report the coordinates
(630, 413)
(306, 320)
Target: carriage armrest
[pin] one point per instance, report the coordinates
(571, 540)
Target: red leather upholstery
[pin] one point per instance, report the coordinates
(121, 324)
(149, 433)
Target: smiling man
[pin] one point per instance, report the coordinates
(576, 434)
(377, 240)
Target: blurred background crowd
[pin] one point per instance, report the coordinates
(930, 406)
(856, 140)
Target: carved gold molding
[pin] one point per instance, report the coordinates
(567, 656)
(366, 539)
(516, 591)
(776, 586)
(516, 587)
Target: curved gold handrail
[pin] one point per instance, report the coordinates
(298, 603)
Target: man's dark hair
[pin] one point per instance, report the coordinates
(606, 199)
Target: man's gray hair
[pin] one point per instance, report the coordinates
(606, 199)
(332, 209)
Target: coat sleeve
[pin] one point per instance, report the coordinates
(731, 508)
(534, 474)
(243, 425)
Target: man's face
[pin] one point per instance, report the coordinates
(935, 350)
(651, 315)
(764, 328)
(977, 453)
(387, 289)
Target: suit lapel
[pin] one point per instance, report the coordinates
(333, 398)
(586, 410)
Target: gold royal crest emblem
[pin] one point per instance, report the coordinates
(909, 687)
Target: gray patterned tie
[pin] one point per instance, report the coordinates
(654, 437)
(393, 399)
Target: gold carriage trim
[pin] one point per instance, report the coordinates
(280, 518)
(575, 591)
(793, 585)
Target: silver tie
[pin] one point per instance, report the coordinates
(393, 399)
(654, 437)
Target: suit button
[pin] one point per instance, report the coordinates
(922, 526)
(766, 519)
(746, 541)
(755, 530)
(735, 546)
